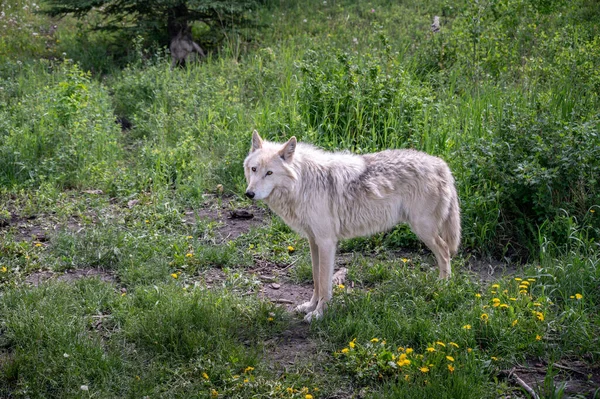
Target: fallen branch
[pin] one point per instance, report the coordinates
(282, 300)
(560, 366)
(512, 375)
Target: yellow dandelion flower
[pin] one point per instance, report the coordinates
(518, 279)
(248, 369)
(440, 343)
(374, 340)
(503, 306)
(496, 304)
(308, 396)
(352, 343)
(578, 296)
(246, 380)
(484, 316)
(537, 304)
(450, 368)
(290, 248)
(174, 275)
(572, 296)
(523, 292)
(214, 393)
(467, 326)
(289, 390)
(424, 369)
(494, 358)
(341, 286)
(523, 287)
(531, 280)
(406, 377)
(189, 237)
(345, 350)
(409, 351)
(505, 292)
(478, 295)
(513, 299)
(524, 282)
(38, 244)
(3, 269)
(270, 319)
(430, 350)
(454, 344)
(450, 358)
(496, 286)
(189, 255)
(402, 363)
(514, 323)
(404, 260)
(469, 350)
(539, 315)
(205, 376)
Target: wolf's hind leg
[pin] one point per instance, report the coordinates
(427, 230)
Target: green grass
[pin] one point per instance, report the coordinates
(506, 93)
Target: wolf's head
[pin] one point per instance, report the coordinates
(269, 166)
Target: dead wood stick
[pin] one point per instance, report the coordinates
(560, 366)
(523, 384)
(282, 300)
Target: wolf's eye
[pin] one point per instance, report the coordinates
(269, 173)
(254, 168)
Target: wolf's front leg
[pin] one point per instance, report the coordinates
(309, 306)
(324, 276)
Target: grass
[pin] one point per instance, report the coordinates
(506, 93)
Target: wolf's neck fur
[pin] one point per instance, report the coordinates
(314, 176)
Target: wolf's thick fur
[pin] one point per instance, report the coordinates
(183, 48)
(327, 196)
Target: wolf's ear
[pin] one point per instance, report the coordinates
(256, 141)
(287, 152)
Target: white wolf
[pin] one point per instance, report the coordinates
(327, 196)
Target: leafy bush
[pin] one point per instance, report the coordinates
(63, 132)
(538, 168)
(362, 104)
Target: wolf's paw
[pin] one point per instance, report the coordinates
(314, 315)
(306, 307)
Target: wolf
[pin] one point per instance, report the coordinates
(183, 48)
(328, 196)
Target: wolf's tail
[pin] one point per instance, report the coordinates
(450, 231)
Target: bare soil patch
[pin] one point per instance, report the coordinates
(232, 221)
(578, 378)
(37, 278)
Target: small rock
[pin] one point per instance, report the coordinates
(275, 286)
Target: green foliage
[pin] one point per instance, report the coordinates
(159, 21)
(541, 168)
(360, 104)
(63, 133)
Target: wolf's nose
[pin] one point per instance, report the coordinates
(250, 194)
